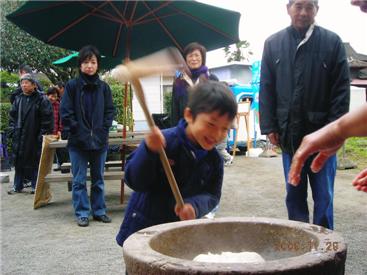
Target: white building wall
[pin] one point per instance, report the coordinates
(154, 98)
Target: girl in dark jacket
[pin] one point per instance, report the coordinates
(87, 112)
(195, 56)
(30, 117)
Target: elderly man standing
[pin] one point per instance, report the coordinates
(304, 86)
(30, 117)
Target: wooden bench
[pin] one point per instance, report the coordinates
(68, 177)
(110, 175)
(50, 144)
(108, 164)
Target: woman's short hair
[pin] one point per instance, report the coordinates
(195, 46)
(87, 52)
(211, 96)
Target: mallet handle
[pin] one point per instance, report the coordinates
(162, 154)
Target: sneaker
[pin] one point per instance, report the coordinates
(12, 192)
(102, 218)
(228, 161)
(83, 221)
(32, 191)
(27, 184)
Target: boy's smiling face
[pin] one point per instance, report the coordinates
(207, 129)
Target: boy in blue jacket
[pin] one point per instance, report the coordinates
(196, 164)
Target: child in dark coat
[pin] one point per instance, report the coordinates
(196, 164)
(53, 98)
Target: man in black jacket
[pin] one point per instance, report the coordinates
(30, 117)
(304, 86)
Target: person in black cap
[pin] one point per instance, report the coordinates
(30, 117)
(23, 69)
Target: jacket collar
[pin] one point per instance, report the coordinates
(94, 82)
(197, 152)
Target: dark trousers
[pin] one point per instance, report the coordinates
(62, 156)
(322, 187)
(24, 173)
(79, 165)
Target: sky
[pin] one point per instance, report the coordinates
(261, 18)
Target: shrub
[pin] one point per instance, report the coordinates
(9, 82)
(43, 80)
(7, 77)
(167, 99)
(118, 95)
(4, 113)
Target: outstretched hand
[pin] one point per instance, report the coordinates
(323, 141)
(155, 140)
(187, 212)
(360, 181)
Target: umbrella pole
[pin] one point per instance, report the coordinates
(123, 146)
(125, 109)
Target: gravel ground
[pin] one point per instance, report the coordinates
(48, 241)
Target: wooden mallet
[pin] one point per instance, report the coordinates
(162, 62)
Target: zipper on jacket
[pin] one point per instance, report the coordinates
(91, 129)
(83, 111)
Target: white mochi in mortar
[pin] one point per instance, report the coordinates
(230, 257)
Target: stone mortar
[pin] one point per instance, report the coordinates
(288, 247)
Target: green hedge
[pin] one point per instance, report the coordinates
(9, 83)
(4, 112)
(118, 95)
(167, 99)
(45, 83)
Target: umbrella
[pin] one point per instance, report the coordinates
(71, 60)
(127, 29)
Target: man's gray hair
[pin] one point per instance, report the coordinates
(292, 1)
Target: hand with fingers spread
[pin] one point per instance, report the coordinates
(155, 140)
(326, 142)
(360, 181)
(187, 212)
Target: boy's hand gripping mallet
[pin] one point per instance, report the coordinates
(169, 60)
